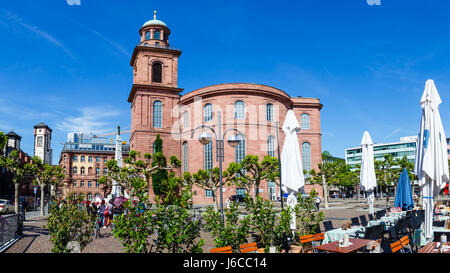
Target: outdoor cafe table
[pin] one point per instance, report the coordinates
(339, 233)
(355, 244)
(431, 247)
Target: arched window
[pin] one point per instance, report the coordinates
(239, 109)
(157, 72)
(147, 35)
(304, 119)
(306, 156)
(207, 156)
(90, 159)
(157, 35)
(186, 119)
(185, 157)
(157, 114)
(271, 145)
(82, 171)
(74, 170)
(207, 112)
(82, 158)
(269, 112)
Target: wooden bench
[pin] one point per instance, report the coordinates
(251, 247)
(311, 238)
(225, 249)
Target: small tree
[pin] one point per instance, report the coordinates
(308, 219)
(234, 232)
(206, 179)
(250, 172)
(45, 175)
(18, 170)
(70, 222)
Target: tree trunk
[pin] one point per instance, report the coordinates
(325, 191)
(42, 200)
(16, 197)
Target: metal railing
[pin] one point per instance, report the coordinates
(11, 226)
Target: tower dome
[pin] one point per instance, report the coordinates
(155, 33)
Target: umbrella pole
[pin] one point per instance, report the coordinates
(279, 166)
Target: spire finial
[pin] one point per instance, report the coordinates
(154, 15)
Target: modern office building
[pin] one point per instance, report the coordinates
(405, 147)
(83, 159)
(157, 107)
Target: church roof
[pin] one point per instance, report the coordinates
(13, 134)
(154, 22)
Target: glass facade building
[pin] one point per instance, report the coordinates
(406, 147)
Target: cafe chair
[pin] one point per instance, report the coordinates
(406, 247)
(363, 220)
(225, 249)
(311, 241)
(248, 248)
(396, 246)
(371, 218)
(355, 221)
(328, 225)
(438, 223)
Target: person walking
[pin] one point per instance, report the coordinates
(318, 201)
(101, 211)
(109, 212)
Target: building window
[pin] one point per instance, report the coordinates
(39, 141)
(97, 184)
(157, 114)
(269, 112)
(97, 159)
(89, 184)
(239, 109)
(74, 184)
(240, 191)
(240, 150)
(82, 158)
(74, 158)
(157, 72)
(157, 35)
(208, 193)
(97, 171)
(306, 156)
(304, 119)
(207, 156)
(82, 184)
(147, 35)
(89, 196)
(82, 170)
(185, 157)
(74, 170)
(271, 145)
(186, 119)
(157, 44)
(64, 158)
(105, 160)
(105, 171)
(207, 112)
(90, 158)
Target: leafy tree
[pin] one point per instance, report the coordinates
(206, 179)
(308, 219)
(45, 175)
(161, 174)
(234, 232)
(250, 172)
(18, 170)
(70, 222)
(3, 140)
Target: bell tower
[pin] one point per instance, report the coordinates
(155, 93)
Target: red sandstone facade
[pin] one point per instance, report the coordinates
(158, 108)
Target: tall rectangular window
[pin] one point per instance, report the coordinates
(306, 156)
(208, 156)
(157, 114)
(185, 157)
(208, 193)
(271, 145)
(39, 141)
(269, 112)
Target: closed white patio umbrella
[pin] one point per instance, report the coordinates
(292, 177)
(368, 180)
(431, 166)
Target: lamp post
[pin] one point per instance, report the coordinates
(204, 138)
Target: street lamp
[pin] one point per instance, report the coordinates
(234, 140)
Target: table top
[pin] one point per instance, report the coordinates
(431, 248)
(334, 246)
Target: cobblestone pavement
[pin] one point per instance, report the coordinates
(36, 239)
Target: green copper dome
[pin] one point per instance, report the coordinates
(154, 22)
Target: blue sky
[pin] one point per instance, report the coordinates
(68, 66)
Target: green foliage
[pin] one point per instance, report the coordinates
(250, 172)
(70, 222)
(3, 140)
(205, 179)
(308, 219)
(235, 231)
(134, 228)
(177, 230)
(159, 175)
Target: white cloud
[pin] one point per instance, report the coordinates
(39, 32)
(91, 119)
